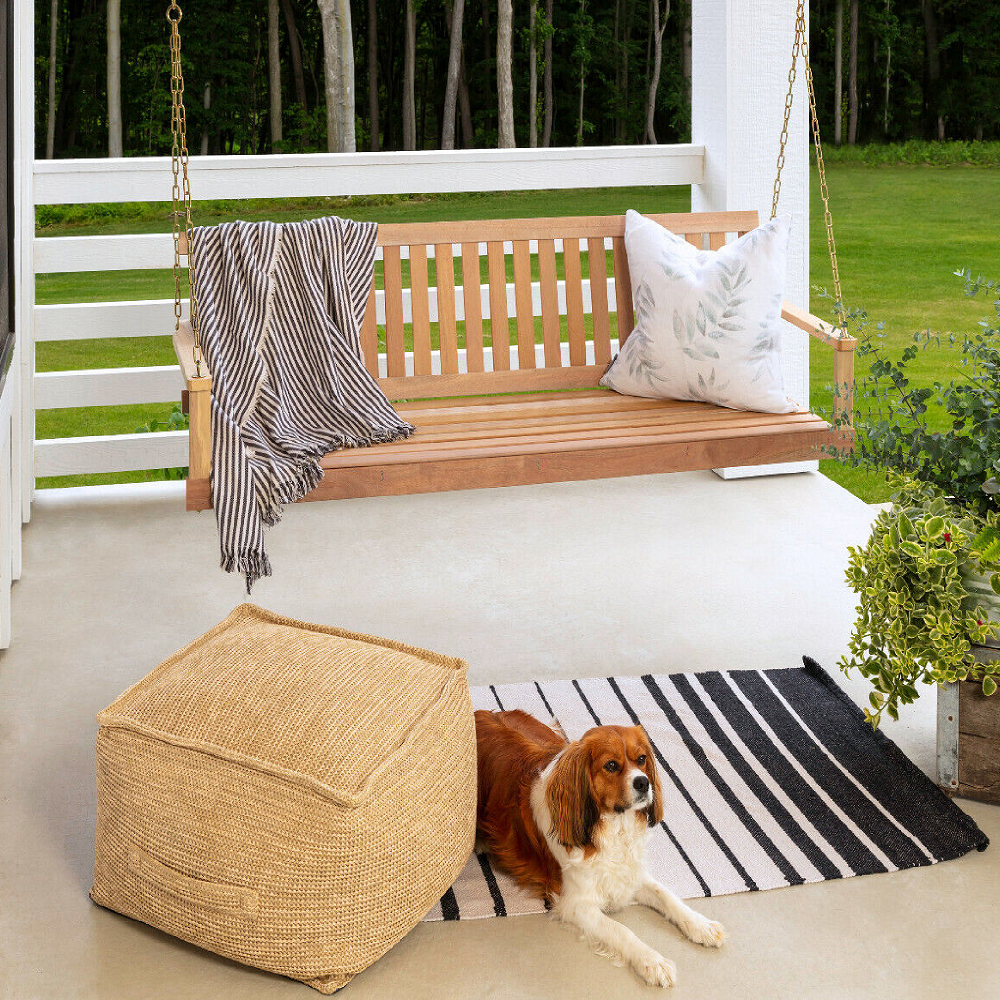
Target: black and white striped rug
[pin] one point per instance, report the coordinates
(770, 778)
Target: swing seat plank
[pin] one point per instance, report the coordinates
(537, 416)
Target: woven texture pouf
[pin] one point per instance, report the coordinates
(288, 795)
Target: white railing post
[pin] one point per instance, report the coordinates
(741, 52)
(24, 239)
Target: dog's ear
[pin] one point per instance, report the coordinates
(654, 811)
(570, 798)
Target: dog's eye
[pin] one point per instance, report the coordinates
(641, 759)
(611, 766)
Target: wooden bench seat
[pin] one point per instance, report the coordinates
(490, 412)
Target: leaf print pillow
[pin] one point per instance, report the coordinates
(707, 322)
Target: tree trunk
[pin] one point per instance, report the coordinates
(932, 96)
(505, 81)
(852, 78)
(533, 75)
(338, 52)
(659, 27)
(206, 103)
(838, 73)
(410, 78)
(273, 70)
(296, 51)
(50, 125)
(455, 17)
(548, 97)
(114, 73)
(373, 108)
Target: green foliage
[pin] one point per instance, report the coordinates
(947, 434)
(225, 50)
(917, 617)
(917, 152)
(177, 421)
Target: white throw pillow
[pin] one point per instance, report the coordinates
(707, 322)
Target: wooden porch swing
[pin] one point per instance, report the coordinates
(506, 426)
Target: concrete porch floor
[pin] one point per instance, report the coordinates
(660, 573)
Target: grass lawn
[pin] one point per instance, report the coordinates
(901, 232)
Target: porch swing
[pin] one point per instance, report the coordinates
(498, 425)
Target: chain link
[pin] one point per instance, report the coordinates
(181, 192)
(800, 47)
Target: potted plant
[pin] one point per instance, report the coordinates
(919, 620)
(928, 579)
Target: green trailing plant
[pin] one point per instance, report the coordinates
(917, 618)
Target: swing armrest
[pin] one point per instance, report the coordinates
(843, 359)
(816, 327)
(196, 402)
(184, 349)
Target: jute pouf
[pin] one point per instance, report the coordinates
(287, 795)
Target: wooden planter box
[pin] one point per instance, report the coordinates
(968, 737)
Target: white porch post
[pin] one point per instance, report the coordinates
(24, 269)
(24, 235)
(741, 51)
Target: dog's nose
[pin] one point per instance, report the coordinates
(641, 784)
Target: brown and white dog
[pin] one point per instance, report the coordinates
(569, 821)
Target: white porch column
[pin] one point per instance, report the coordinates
(741, 52)
(24, 272)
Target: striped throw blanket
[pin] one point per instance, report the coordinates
(281, 308)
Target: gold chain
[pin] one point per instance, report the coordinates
(182, 186)
(800, 46)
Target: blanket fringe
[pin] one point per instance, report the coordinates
(253, 565)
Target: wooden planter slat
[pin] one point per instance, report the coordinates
(969, 737)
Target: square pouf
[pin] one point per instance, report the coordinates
(291, 796)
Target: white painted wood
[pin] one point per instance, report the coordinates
(319, 174)
(10, 527)
(15, 467)
(738, 100)
(24, 233)
(770, 469)
(66, 254)
(111, 453)
(90, 320)
(155, 317)
(6, 530)
(62, 254)
(108, 387)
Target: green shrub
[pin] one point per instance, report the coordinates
(946, 435)
(917, 152)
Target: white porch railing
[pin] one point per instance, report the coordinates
(230, 177)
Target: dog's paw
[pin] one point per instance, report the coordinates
(656, 970)
(710, 933)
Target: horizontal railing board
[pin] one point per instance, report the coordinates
(111, 453)
(155, 317)
(107, 387)
(148, 251)
(307, 175)
(93, 320)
